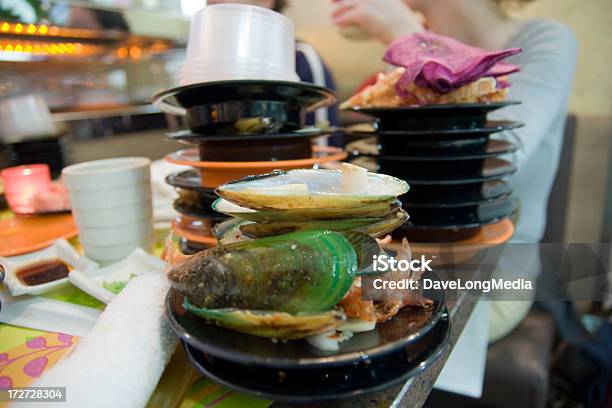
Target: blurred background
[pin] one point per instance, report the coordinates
(97, 63)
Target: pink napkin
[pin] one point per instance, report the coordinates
(444, 64)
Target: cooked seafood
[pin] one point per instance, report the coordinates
(308, 189)
(289, 262)
(434, 69)
(300, 272)
(384, 93)
(375, 210)
(387, 303)
(276, 325)
(375, 227)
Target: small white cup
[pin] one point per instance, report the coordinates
(238, 41)
(110, 217)
(120, 234)
(112, 205)
(25, 117)
(116, 252)
(106, 174)
(111, 198)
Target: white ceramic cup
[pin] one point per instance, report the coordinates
(25, 117)
(112, 206)
(238, 41)
(111, 253)
(110, 217)
(107, 174)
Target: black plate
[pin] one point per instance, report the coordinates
(463, 217)
(450, 116)
(214, 107)
(188, 137)
(294, 93)
(246, 349)
(188, 247)
(447, 172)
(193, 199)
(427, 152)
(198, 212)
(264, 147)
(221, 117)
(490, 127)
(457, 195)
(188, 180)
(320, 384)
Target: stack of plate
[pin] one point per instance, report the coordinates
(238, 128)
(456, 169)
(295, 371)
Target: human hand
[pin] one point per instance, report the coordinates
(383, 19)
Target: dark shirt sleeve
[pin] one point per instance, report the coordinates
(304, 71)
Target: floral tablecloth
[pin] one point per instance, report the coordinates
(25, 355)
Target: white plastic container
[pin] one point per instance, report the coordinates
(112, 206)
(106, 254)
(105, 174)
(238, 41)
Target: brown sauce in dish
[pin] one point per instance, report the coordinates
(42, 272)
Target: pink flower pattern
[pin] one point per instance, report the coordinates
(38, 351)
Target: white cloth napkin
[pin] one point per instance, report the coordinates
(119, 363)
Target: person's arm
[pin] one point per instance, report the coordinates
(385, 20)
(543, 86)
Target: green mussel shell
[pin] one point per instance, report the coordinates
(376, 210)
(301, 272)
(308, 189)
(275, 325)
(375, 227)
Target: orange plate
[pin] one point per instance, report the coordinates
(200, 239)
(23, 234)
(463, 251)
(215, 173)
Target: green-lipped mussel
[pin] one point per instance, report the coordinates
(375, 210)
(276, 325)
(301, 272)
(311, 189)
(375, 227)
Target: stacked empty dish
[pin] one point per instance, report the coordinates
(454, 165)
(244, 109)
(239, 128)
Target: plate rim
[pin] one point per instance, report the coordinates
(199, 188)
(510, 149)
(480, 131)
(512, 168)
(326, 361)
(463, 203)
(161, 98)
(431, 356)
(495, 220)
(434, 106)
(185, 136)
